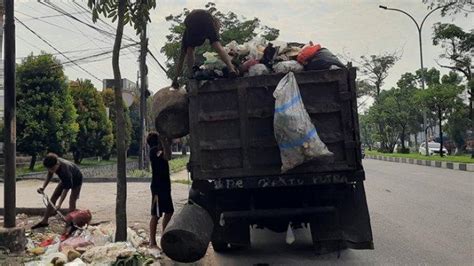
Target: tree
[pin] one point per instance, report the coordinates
(383, 116)
(46, 117)
(137, 13)
(95, 137)
(374, 69)
(457, 126)
(451, 7)
(458, 50)
(108, 97)
(234, 27)
(134, 147)
(367, 130)
(440, 100)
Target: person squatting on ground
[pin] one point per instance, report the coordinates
(70, 178)
(200, 25)
(160, 184)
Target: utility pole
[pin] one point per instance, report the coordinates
(10, 117)
(419, 27)
(11, 237)
(143, 90)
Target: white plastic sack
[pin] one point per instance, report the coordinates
(288, 66)
(258, 70)
(295, 134)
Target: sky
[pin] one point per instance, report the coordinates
(346, 27)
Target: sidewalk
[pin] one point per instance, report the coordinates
(100, 198)
(469, 167)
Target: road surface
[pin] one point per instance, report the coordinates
(419, 215)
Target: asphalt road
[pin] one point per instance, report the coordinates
(419, 215)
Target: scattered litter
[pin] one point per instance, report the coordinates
(76, 262)
(37, 251)
(94, 244)
(75, 242)
(108, 253)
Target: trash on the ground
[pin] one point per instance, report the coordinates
(295, 134)
(73, 255)
(46, 242)
(108, 253)
(76, 262)
(94, 244)
(37, 250)
(75, 242)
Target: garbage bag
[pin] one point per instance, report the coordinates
(288, 66)
(75, 242)
(296, 136)
(258, 70)
(322, 60)
(307, 53)
(212, 61)
(247, 64)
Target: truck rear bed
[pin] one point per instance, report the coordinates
(231, 127)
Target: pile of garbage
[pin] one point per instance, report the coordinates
(93, 245)
(261, 57)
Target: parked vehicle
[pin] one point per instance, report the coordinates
(433, 149)
(235, 165)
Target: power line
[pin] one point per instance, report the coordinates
(51, 16)
(55, 25)
(54, 48)
(158, 62)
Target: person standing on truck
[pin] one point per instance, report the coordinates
(200, 26)
(160, 184)
(70, 178)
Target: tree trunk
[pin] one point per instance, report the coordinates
(402, 139)
(416, 142)
(440, 117)
(121, 202)
(33, 162)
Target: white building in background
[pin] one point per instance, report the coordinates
(129, 89)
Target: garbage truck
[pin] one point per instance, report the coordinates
(235, 167)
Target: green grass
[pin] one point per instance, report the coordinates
(87, 162)
(176, 164)
(183, 181)
(179, 163)
(457, 159)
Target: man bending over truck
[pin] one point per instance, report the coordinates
(200, 25)
(70, 178)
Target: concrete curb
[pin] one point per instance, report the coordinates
(31, 211)
(95, 179)
(469, 167)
